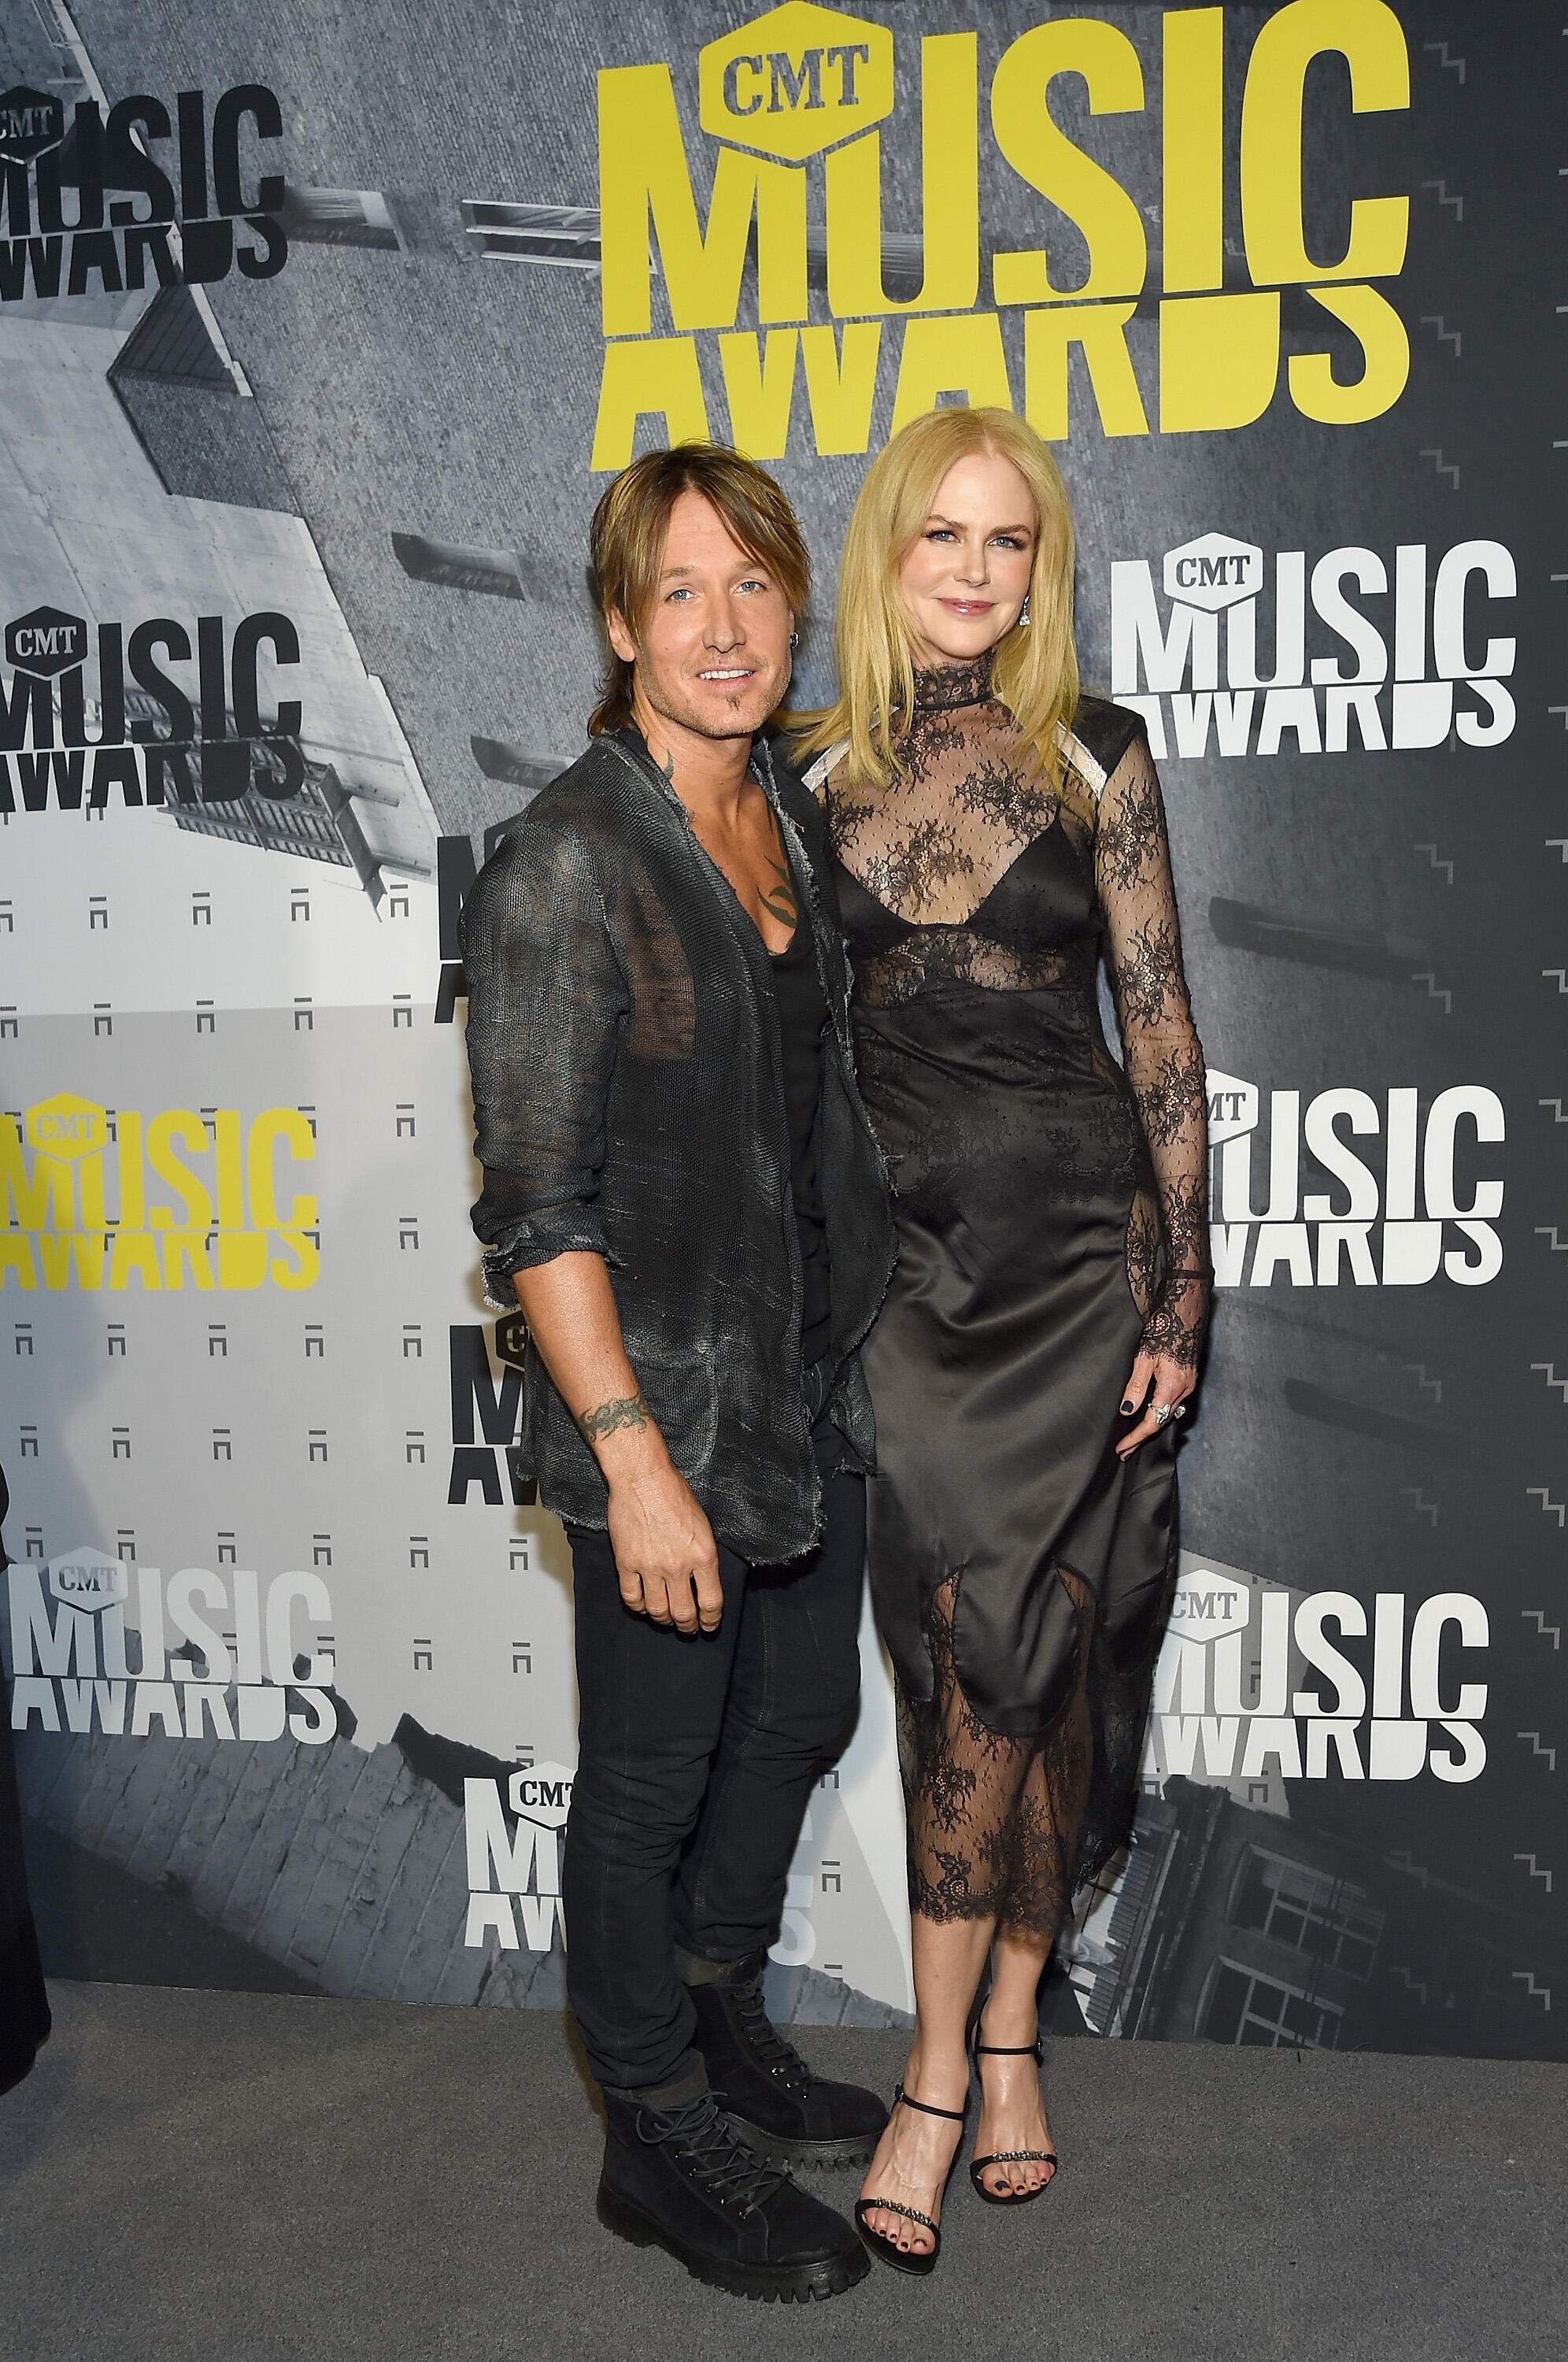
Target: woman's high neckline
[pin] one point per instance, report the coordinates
(944, 689)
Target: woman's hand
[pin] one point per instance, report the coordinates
(1160, 1386)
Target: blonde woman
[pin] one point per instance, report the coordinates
(996, 833)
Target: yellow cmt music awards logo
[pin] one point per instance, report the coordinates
(800, 100)
(232, 1219)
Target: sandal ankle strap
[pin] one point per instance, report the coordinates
(954, 2116)
(1006, 2050)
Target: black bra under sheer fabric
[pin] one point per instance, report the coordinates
(937, 851)
(977, 873)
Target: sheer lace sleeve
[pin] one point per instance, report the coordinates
(1164, 1062)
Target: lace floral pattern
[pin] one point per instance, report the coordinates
(932, 843)
(994, 1823)
(1179, 1313)
(1173, 1098)
(999, 1825)
(934, 847)
(1146, 974)
(1131, 836)
(927, 957)
(1165, 1064)
(1143, 1255)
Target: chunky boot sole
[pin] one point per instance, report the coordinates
(772, 2283)
(779, 2149)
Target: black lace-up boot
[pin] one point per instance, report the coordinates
(678, 2178)
(778, 2107)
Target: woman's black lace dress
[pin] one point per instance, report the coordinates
(1051, 1216)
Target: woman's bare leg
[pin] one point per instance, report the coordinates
(986, 1821)
(1047, 1820)
(1012, 2113)
(914, 2153)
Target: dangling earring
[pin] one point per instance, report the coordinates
(1023, 614)
(794, 639)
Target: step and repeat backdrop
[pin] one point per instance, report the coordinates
(319, 335)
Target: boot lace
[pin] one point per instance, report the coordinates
(776, 2055)
(716, 2157)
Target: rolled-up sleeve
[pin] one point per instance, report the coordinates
(547, 1001)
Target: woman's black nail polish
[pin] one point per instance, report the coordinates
(1127, 1409)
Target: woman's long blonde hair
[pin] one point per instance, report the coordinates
(1036, 671)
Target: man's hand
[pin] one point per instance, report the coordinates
(664, 1553)
(664, 1546)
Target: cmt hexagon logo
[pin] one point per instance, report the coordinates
(46, 641)
(511, 1341)
(88, 1579)
(541, 1793)
(797, 80)
(1213, 571)
(1208, 1605)
(31, 121)
(66, 1126)
(1233, 1107)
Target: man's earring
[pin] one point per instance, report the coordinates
(1023, 614)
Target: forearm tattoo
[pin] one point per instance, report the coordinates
(631, 1410)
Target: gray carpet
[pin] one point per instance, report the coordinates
(205, 2175)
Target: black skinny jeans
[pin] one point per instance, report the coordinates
(697, 1757)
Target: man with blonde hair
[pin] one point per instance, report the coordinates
(682, 1192)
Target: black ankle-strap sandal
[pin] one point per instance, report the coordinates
(1010, 2155)
(904, 2259)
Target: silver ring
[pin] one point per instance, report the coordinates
(1161, 1412)
(1180, 1411)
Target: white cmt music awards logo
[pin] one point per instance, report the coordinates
(1366, 651)
(522, 1870)
(214, 1652)
(1418, 1200)
(1257, 1685)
